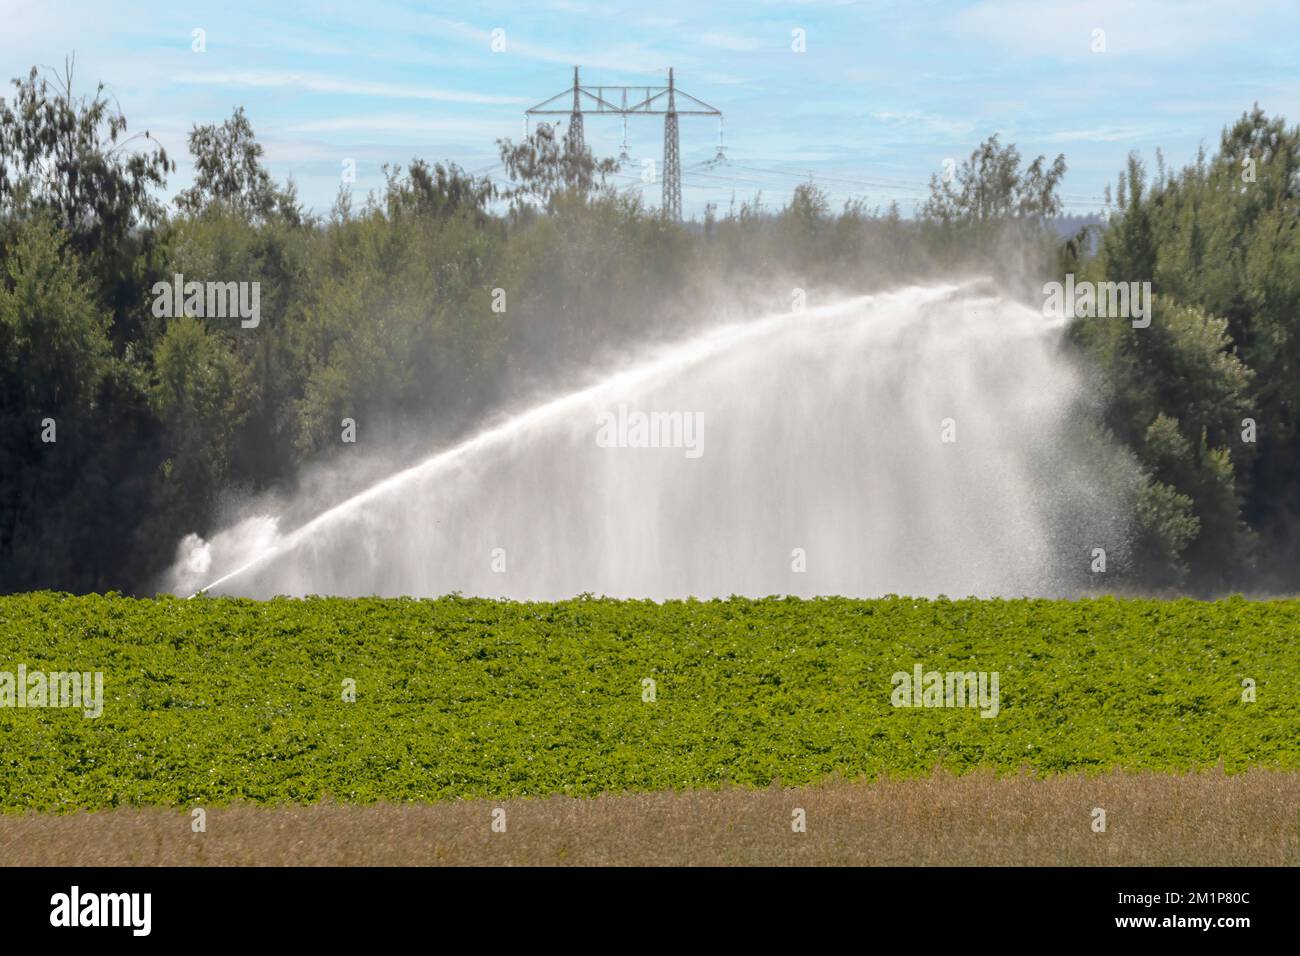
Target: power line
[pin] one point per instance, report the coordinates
(625, 101)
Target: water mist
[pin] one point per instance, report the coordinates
(918, 442)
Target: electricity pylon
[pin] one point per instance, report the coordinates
(645, 101)
(672, 202)
(575, 118)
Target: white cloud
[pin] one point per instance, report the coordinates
(723, 79)
(1102, 134)
(607, 56)
(729, 41)
(925, 121)
(1064, 28)
(319, 84)
(444, 126)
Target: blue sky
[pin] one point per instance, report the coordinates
(883, 94)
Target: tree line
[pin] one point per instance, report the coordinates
(442, 297)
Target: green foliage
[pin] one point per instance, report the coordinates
(53, 337)
(200, 396)
(228, 172)
(68, 159)
(1168, 524)
(67, 156)
(990, 187)
(222, 244)
(1220, 242)
(992, 211)
(432, 307)
(440, 192)
(397, 306)
(57, 371)
(214, 700)
(545, 167)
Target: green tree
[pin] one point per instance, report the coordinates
(544, 166)
(990, 187)
(228, 172)
(68, 156)
(1220, 242)
(199, 397)
(61, 444)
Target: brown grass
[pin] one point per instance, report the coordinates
(1206, 819)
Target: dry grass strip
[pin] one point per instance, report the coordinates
(1205, 819)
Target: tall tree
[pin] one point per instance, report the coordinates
(228, 172)
(545, 166)
(990, 186)
(69, 156)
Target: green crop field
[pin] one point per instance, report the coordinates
(220, 700)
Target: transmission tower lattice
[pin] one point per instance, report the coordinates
(633, 101)
(575, 118)
(672, 202)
